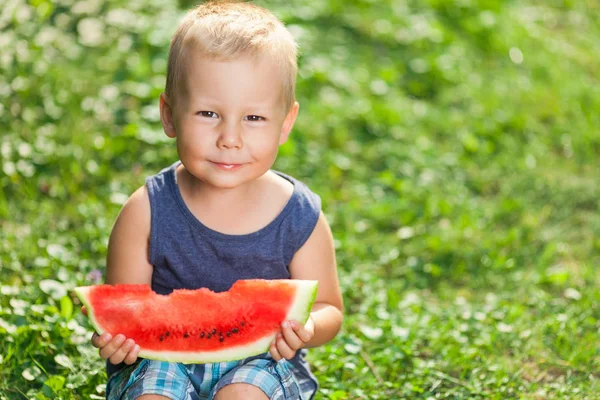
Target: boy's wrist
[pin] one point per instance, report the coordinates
(326, 323)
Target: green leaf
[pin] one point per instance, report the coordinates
(53, 384)
(66, 307)
(338, 395)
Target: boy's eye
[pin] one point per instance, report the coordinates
(207, 114)
(254, 118)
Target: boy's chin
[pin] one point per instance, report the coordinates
(226, 180)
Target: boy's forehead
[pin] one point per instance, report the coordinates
(255, 78)
(257, 63)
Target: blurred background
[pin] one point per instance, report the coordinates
(454, 144)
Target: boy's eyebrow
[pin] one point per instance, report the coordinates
(205, 101)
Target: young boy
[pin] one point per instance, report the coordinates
(220, 213)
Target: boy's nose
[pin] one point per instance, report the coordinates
(230, 138)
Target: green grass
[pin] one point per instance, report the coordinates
(454, 145)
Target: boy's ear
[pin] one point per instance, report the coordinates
(288, 123)
(166, 116)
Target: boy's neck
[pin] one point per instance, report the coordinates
(210, 196)
(240, 210)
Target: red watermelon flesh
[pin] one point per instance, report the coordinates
(198, 326)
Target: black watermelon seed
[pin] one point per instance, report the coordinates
(235, 330)
(185, 335)
(162, 338)
(167, 334)
(221, 338)
(208, 336)
(214, 331)
(228, 334)
(201, 334)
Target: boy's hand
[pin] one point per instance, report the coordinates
(117, 349)
(293, 337)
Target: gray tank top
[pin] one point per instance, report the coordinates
(186, 254)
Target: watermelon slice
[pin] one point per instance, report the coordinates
(199, 326)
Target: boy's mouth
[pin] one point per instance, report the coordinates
(227, 167)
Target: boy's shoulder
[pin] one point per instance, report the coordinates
(293, 181)
(280, 182)
(162, 173)
(301, 193)
(159, 182)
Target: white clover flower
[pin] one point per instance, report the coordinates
(91, 32)
(121, 18)
(86, 7)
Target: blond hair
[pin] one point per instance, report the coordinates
(227, 30)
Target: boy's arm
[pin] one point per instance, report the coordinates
(316, 261)
(127, 260)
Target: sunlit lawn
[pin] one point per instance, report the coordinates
(454, 145)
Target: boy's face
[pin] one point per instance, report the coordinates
(231, 121)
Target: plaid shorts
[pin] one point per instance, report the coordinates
(202, 381)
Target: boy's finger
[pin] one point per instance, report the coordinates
(121, 353)
(301, 331)
(111, 347)
(100, 341)
(274, 353)
(285, 350)
(132, 355)
(291, 337)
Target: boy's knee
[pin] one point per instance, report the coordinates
(240, 391)
(152, 397)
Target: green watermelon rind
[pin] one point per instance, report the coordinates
(83, 293)
(300, 311)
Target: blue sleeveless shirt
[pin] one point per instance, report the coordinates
(186, 254)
